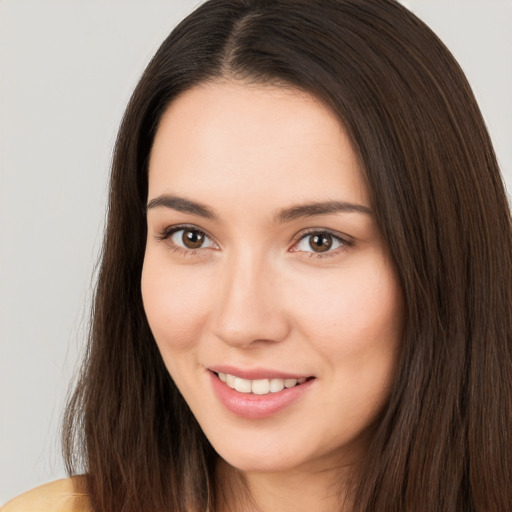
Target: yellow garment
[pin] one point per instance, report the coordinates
(66, 495)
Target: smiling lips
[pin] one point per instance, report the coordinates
(259, 386)
(257, 398)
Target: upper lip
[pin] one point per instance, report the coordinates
(256, 373)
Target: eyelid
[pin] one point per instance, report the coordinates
(168, 231)
(344, 239)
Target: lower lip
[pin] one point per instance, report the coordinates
(248, 405)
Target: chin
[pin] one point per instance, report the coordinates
(256, 463)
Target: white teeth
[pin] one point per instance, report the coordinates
(289, 383)
(259, 386)
(276, 385)
(230, 380)
(243, 385)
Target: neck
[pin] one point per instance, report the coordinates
(298, 490)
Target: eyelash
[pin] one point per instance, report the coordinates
(168, 232)
(338, 237)
(345, 244)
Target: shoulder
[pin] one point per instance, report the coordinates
(66, 495)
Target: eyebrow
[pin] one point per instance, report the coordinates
(183, 205)
(322, 208)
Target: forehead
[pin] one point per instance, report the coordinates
(227, 138)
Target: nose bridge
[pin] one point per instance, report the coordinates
(248, 308)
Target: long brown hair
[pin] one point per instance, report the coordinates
(444, 439)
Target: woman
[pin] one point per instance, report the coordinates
(304, 297)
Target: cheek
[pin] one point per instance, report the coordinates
(175, 301)
(354, 320)
(356, 330)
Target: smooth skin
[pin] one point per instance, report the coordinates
(239, 274)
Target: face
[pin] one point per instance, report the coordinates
(266, 284)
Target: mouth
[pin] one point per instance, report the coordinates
(258, 394)
(260, 386)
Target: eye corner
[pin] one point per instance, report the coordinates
(198, 239)
(335, 243)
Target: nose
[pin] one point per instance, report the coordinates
(249, 311)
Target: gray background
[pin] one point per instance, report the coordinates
(67, 69)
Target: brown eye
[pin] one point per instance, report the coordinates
(192, 239)
(320, 242)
